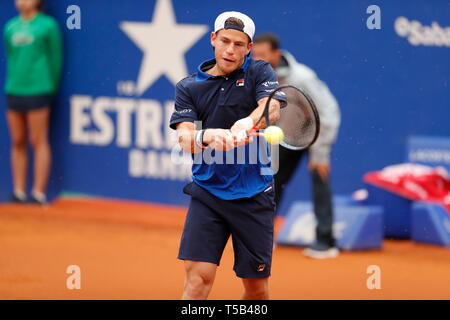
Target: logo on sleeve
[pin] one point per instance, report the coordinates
(269, 83)
(240, 83)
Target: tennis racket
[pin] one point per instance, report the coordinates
(299, 118)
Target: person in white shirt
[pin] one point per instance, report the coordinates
(289, 71)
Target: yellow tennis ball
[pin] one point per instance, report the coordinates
(274, 134)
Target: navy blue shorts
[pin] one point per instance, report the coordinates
(210, 221)
(28, 103)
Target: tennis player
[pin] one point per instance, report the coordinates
(226, 96)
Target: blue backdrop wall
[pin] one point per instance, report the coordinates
(110, 133)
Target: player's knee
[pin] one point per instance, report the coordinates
(19, 142)
(257, 294)
(202, 279)
(256, 289)
(198, 284)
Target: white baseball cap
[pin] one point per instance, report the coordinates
(249, 25)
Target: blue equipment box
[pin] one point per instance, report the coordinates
(355, 227)
(397, 212)
(430, 223)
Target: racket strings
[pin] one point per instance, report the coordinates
(298, 119)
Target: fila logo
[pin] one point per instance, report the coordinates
(240, 83)
(261, 268)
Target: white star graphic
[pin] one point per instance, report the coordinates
(164, 43)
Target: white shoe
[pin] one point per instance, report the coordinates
(318, 252)
(38, 198)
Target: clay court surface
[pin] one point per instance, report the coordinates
(128, 251)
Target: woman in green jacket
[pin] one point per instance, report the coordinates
(34, 59)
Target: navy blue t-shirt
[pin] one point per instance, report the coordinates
(218, 102)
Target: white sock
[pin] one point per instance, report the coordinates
(20, 194)
(39, 196)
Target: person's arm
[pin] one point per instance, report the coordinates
(55, 53)
(249, 122)
(193, 141)
(274, 112)
(6, 41)
(183, 120)
(186, 135)
(266, 83)
(223, 139)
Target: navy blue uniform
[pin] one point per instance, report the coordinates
(236, 198)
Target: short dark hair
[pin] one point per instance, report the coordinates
(269, 38)
(232, 21)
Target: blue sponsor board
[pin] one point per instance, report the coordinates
(430, 151)
(109, 128)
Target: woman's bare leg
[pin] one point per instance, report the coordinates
(38, 123)
(19, 158)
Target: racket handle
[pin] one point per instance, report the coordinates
(254, 132)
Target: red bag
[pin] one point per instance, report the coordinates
(414, 182)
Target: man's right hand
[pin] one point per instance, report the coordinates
(219, 139)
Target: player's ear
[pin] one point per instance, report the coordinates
(278, 54)
(213, 38)
(249, 47)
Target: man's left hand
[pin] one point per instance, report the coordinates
(323, 169)
(239, 130)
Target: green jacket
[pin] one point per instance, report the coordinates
(34, 55)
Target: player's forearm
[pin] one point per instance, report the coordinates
(194, 141)
(274, 112)
(186, 138)
(186, 141)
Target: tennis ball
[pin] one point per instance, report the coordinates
(274, 134)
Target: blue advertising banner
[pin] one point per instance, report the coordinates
(109, 129)
(430, 151)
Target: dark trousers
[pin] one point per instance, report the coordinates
(323, 208)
